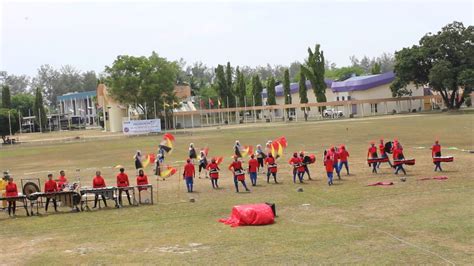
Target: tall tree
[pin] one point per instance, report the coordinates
(8, 121)
(257, 89)
(17, 84)
(271, 100)
(89, 81)
(6, 97)
(221, 87)
(303, 92)
(38, 110)
(23, 102)
(286, 90)
(444, 61)
(228, 76)
(314, 72)
(376, 69)
(241, 89)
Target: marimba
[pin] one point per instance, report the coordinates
(106, 192)
(443, 159)
(377, 160)
(130, 188)
(404, 161)
(70, 199)
(19, 198)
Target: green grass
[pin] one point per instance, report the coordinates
(414, 222)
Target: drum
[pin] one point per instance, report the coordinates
(388, 147)
(444, 159)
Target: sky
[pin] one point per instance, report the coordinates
(90, 34)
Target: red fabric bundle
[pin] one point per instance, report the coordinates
(251, 214)
(434, 178)
(377, 160)
(404, 161)
(381, 184)
(445, 159)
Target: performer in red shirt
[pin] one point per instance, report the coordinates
(142, 179)
(296, 163)
(398, 155)
(62, 180)
(213, 169)
(383, 154)
(329, 164)
(50, 187)
(271, 167)
(436, 152)
(305, 161)
(189, 174)
(239, 174)
(253, 169)
(122, 181)
(343, 155)
(335, 158)
(98, 182)
(372, 153)
(11, 191)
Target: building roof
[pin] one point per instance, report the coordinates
(361, 83)
(77, 95)
(294, 88)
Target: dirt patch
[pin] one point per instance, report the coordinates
(177, 249)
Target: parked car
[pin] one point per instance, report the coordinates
(332, 113)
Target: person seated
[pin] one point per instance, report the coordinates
(50, 186)
(142, 179)
(98, 182)
(122, 181)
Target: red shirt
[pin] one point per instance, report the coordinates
(297, 162)
(271, 161)
(382, 148)
(335, 155)
(436, 148)
(372, 151)
(213, 170)
(235, 165)
(253, 165)
(343, 155)
(329, 165)
(397, 153)
(98, 182)
(61, 181)
(142, 180)
(50, 186)
(122, 180)
(11, 190)
(189, 170)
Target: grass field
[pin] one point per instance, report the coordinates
(413, 222)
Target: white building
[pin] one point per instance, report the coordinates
(355, 88)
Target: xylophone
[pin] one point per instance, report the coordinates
(443, 159)
(377, 160)
(19, 198)
(106, 192)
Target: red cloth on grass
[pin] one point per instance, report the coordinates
(251, 214)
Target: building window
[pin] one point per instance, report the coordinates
(343, 98)
(349, 98)
(373, 108)
(337, 99)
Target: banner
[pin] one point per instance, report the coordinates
(141, 126)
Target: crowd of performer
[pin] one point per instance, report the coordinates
(261, 161)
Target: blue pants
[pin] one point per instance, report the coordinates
(400, 167)
(346, 164)
(214, 183)
(330, 178)
(236, 183)
(253, 178)
(438, 166)
(300, 176)
(274, 176)
(295, 172)
(189, 183)
(337, 169)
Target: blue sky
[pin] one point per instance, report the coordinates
(90, 34)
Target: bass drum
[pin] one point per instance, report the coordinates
(29, 189)
(388, 147)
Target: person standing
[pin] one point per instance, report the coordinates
(192, 152)
(239, 174)
(213, 173)
(237, 149)
(383, 154)
(398, 156)
(98, 182)
(329, 164)
(189, 174)
(306, 160)
(436, 152)
(203, 164)
(271, 167)
(335, 160)
(295, 162)
(260, 157)
(372, 154)
(343, 155)
(11, 191)
(253, 169)
(122, 181)
(138, 160)
(50, 186)
(62, 180)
